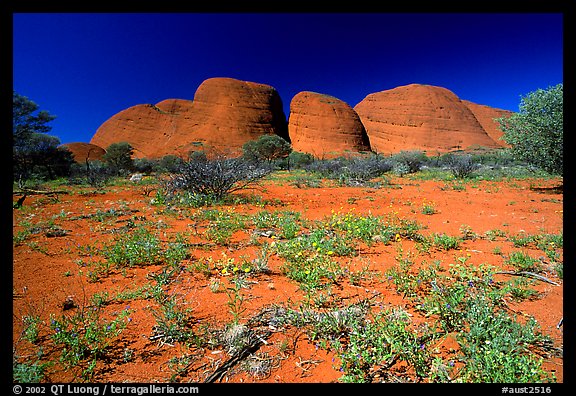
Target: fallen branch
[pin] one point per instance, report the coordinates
(528, 274)
(38, 192)
(246, 351)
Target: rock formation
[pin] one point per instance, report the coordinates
(225, 114)
(149, 130)
(325, 126)
(85, 151)
(485, 116)
(421, 117)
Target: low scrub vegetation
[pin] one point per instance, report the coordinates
(231, 243)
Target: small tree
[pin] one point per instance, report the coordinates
(267, 148)
(536, 132)
(34, 151)
(119, 157)
(48, 158)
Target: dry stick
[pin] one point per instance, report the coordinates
(528, 274)
(39, 192)
(246, 351)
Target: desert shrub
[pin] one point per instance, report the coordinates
(215, 178)
(168, 164)
(266, 148)
(325, 168)
(408, 161)
(95, 174)
(299, 160)
(361, 170)
(461, 165)
(144, 165)
(352, 171)
(496, 158)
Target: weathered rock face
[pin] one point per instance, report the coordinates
(149, 129)
(228, 113)
(85, 151)
(485, 116)
(325, 126)
(225, 114)
(420, 117)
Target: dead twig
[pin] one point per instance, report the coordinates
(529, 275)
(306, 365)
(246, 351)
(30, 191)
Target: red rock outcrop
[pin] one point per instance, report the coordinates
(225, 114)
(85, 151)
(149, 129)
(420, 117)
(325, 126)
(228, 113)
(485, 116)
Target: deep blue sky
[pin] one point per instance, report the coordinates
(84, 68)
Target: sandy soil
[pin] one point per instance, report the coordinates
(48, 269)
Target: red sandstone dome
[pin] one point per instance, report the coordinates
(228, 113)
(149, 129)
(423, 117)
(225, 114)
(83, 152)
(325, 126)
(486, 115)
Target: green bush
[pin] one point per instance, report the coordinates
(267, 148)
(409, 161)
(536, 132)
(119, 157)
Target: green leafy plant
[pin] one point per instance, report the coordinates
(85, 337)
(138, 248)
(445, 241)
(235, 302)
(499, 349)
(31, 329)
(33, 371)
(375, 345)
(523, 262)
(536, 131)
(173, 321)
(224, 225)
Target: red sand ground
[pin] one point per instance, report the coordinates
(46, 270)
